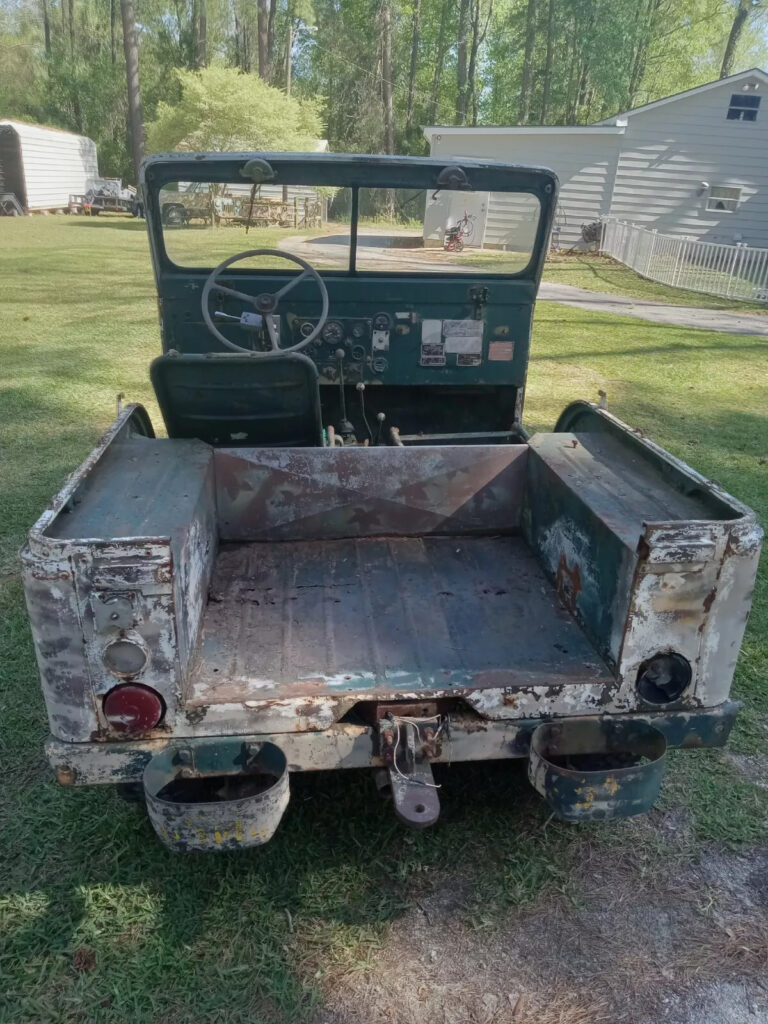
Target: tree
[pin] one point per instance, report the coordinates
(224, 109)
(461, 63)
(386, 76)
(527, 83)
(414, 66)
(740, 18)
(131, 48)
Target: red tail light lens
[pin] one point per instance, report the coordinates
(133, 708)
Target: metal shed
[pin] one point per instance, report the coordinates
(41, 166)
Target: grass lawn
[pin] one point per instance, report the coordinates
(97, 921)
(602, 274)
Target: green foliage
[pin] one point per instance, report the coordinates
(223, 109)
(590, 59)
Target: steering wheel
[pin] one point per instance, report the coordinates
(266, 303)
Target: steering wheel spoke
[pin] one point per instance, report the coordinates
(234, 293)
(274, 338)
(291, 285)
(212, 284)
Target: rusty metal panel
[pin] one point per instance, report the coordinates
(728, 614)
(87, 588)
(300, 627)
(321, 493)
(355, 746)
(649, 555)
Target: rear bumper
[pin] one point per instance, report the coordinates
(356, 746)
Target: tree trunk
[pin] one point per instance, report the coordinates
(271, 37)
(71, 27)
(386, 76)
(548, 61)
(46, 28)
(739, 21)
(434, 99)
(263, 34)
(641, 52)
(478, 37)
(201, 33)
(289, 56)
(461, 63)
(527, 84)
(112, 33)
(415, 35)
(131, 47)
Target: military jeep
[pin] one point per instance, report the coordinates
(348, 552)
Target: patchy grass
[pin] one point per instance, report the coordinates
(97, 922)
(602, 274)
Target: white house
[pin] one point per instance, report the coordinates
(694, 164)
(41, 166)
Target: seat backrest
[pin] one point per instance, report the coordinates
(229, 399)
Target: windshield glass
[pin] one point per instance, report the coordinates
(397, 230)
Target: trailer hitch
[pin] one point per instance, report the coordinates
(406, 744)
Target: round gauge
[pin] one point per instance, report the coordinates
(333, 332)
(358, 353)
(382, 322)
(358, 330)
(306, 328)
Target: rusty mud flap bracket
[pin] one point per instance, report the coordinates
(589, 769)
(216, 794)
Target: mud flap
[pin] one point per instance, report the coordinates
(591, 769)
(222, 794)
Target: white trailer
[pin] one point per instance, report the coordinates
(42, 166)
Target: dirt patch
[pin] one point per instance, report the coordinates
(753, 767)
(681, 943)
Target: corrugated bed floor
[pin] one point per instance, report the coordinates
(385, 614)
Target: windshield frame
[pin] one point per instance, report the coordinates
(355, 172)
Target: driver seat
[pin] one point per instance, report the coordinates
(230, 399)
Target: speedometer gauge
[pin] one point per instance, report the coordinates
(333, 332)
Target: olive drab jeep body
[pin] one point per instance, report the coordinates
(348, 552)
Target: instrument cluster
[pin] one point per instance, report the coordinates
(353, 346)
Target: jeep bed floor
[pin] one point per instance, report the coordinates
(384, 614)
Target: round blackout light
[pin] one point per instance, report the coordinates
(125, 657)
(663, 678)
(133, 708)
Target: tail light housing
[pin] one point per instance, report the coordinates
(133, 708)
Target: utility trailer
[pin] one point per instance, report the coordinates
(348, 552)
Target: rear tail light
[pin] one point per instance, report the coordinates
(133, 708)
(663, 678)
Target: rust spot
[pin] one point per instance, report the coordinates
(66, 776)
(709, 599)
(568, 583)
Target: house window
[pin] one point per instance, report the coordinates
(724, 199)
(743, 108)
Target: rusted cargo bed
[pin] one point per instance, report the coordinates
(388, 613)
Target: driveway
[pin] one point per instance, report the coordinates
(656, 312)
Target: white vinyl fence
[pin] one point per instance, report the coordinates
(733, 271)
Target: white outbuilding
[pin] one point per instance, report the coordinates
(42, 166)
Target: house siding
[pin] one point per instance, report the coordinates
(585, 166)
(669, 150)
(54, 164)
